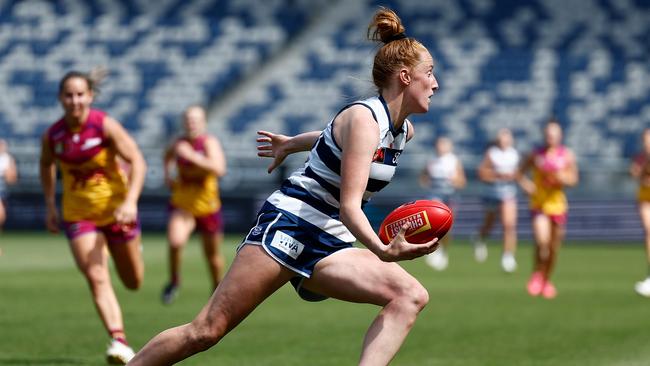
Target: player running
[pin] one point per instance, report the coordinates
(553, 168)
(443, 176)
(305, 231)
(195, 203)
(99, 203)
(640, 170)
(498, 170)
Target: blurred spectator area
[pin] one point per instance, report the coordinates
(289, 65)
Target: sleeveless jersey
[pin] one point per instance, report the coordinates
(195, 190)
(441, 170)
(504, 162)
(643, 160)
(548, 198)
(93, 183)
(313, 191)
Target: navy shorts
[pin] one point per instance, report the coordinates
(293, 242)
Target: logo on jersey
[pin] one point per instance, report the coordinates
(91, 142)
(386, 156)
(287, 244)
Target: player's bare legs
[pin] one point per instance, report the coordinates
(488, 223)
(179, 228)
(91, 256)
(239, 293)
(644, 213)
(643, 287)
(212, 249)
(128, 262)
(542, 236)
(357, 275)
(3, 217)
(557, 235)
(509, 221)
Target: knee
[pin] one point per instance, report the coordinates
(419, 297)
(96, 276)
(413, 297)
(509, 227)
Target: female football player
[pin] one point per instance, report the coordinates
(640, 170)
(443, 176)
(553, 168)
(8, 175)
(305, 231)
(195, 202)
(100, 213)
(498, 170)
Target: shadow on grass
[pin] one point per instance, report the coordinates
(41, 361)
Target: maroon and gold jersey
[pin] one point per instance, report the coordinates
(93, 183)
(195, 190)
(549, 197)
(643, 160)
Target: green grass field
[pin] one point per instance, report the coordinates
(477, 314)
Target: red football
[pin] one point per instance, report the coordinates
(429, 219)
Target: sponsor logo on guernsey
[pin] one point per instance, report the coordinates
(287, 244)
(91, 142)
(419, 222)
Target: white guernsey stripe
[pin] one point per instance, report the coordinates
(311, 215)
(325, 158)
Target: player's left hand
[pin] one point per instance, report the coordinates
(272, 146)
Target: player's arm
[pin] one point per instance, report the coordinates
(459, 180)
(485, 171)
(11, 174)
(636, 167)
(128, 150)
(214, 160)
(526, 184)
(47, 170)
(358, 136)
(569, 176)
(168, 163)
(278, 146)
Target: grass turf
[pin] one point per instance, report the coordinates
(477, 315)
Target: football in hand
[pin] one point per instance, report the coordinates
(428, 219)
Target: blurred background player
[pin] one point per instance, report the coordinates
(553, 168)
(443, 175)
(640, 170)
(195, 203)
(99, 203)
(498, 170)
(8, 175)
(306, 230)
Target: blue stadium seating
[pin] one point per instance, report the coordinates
(499, 63)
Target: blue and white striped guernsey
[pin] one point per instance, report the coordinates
(312, 192)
